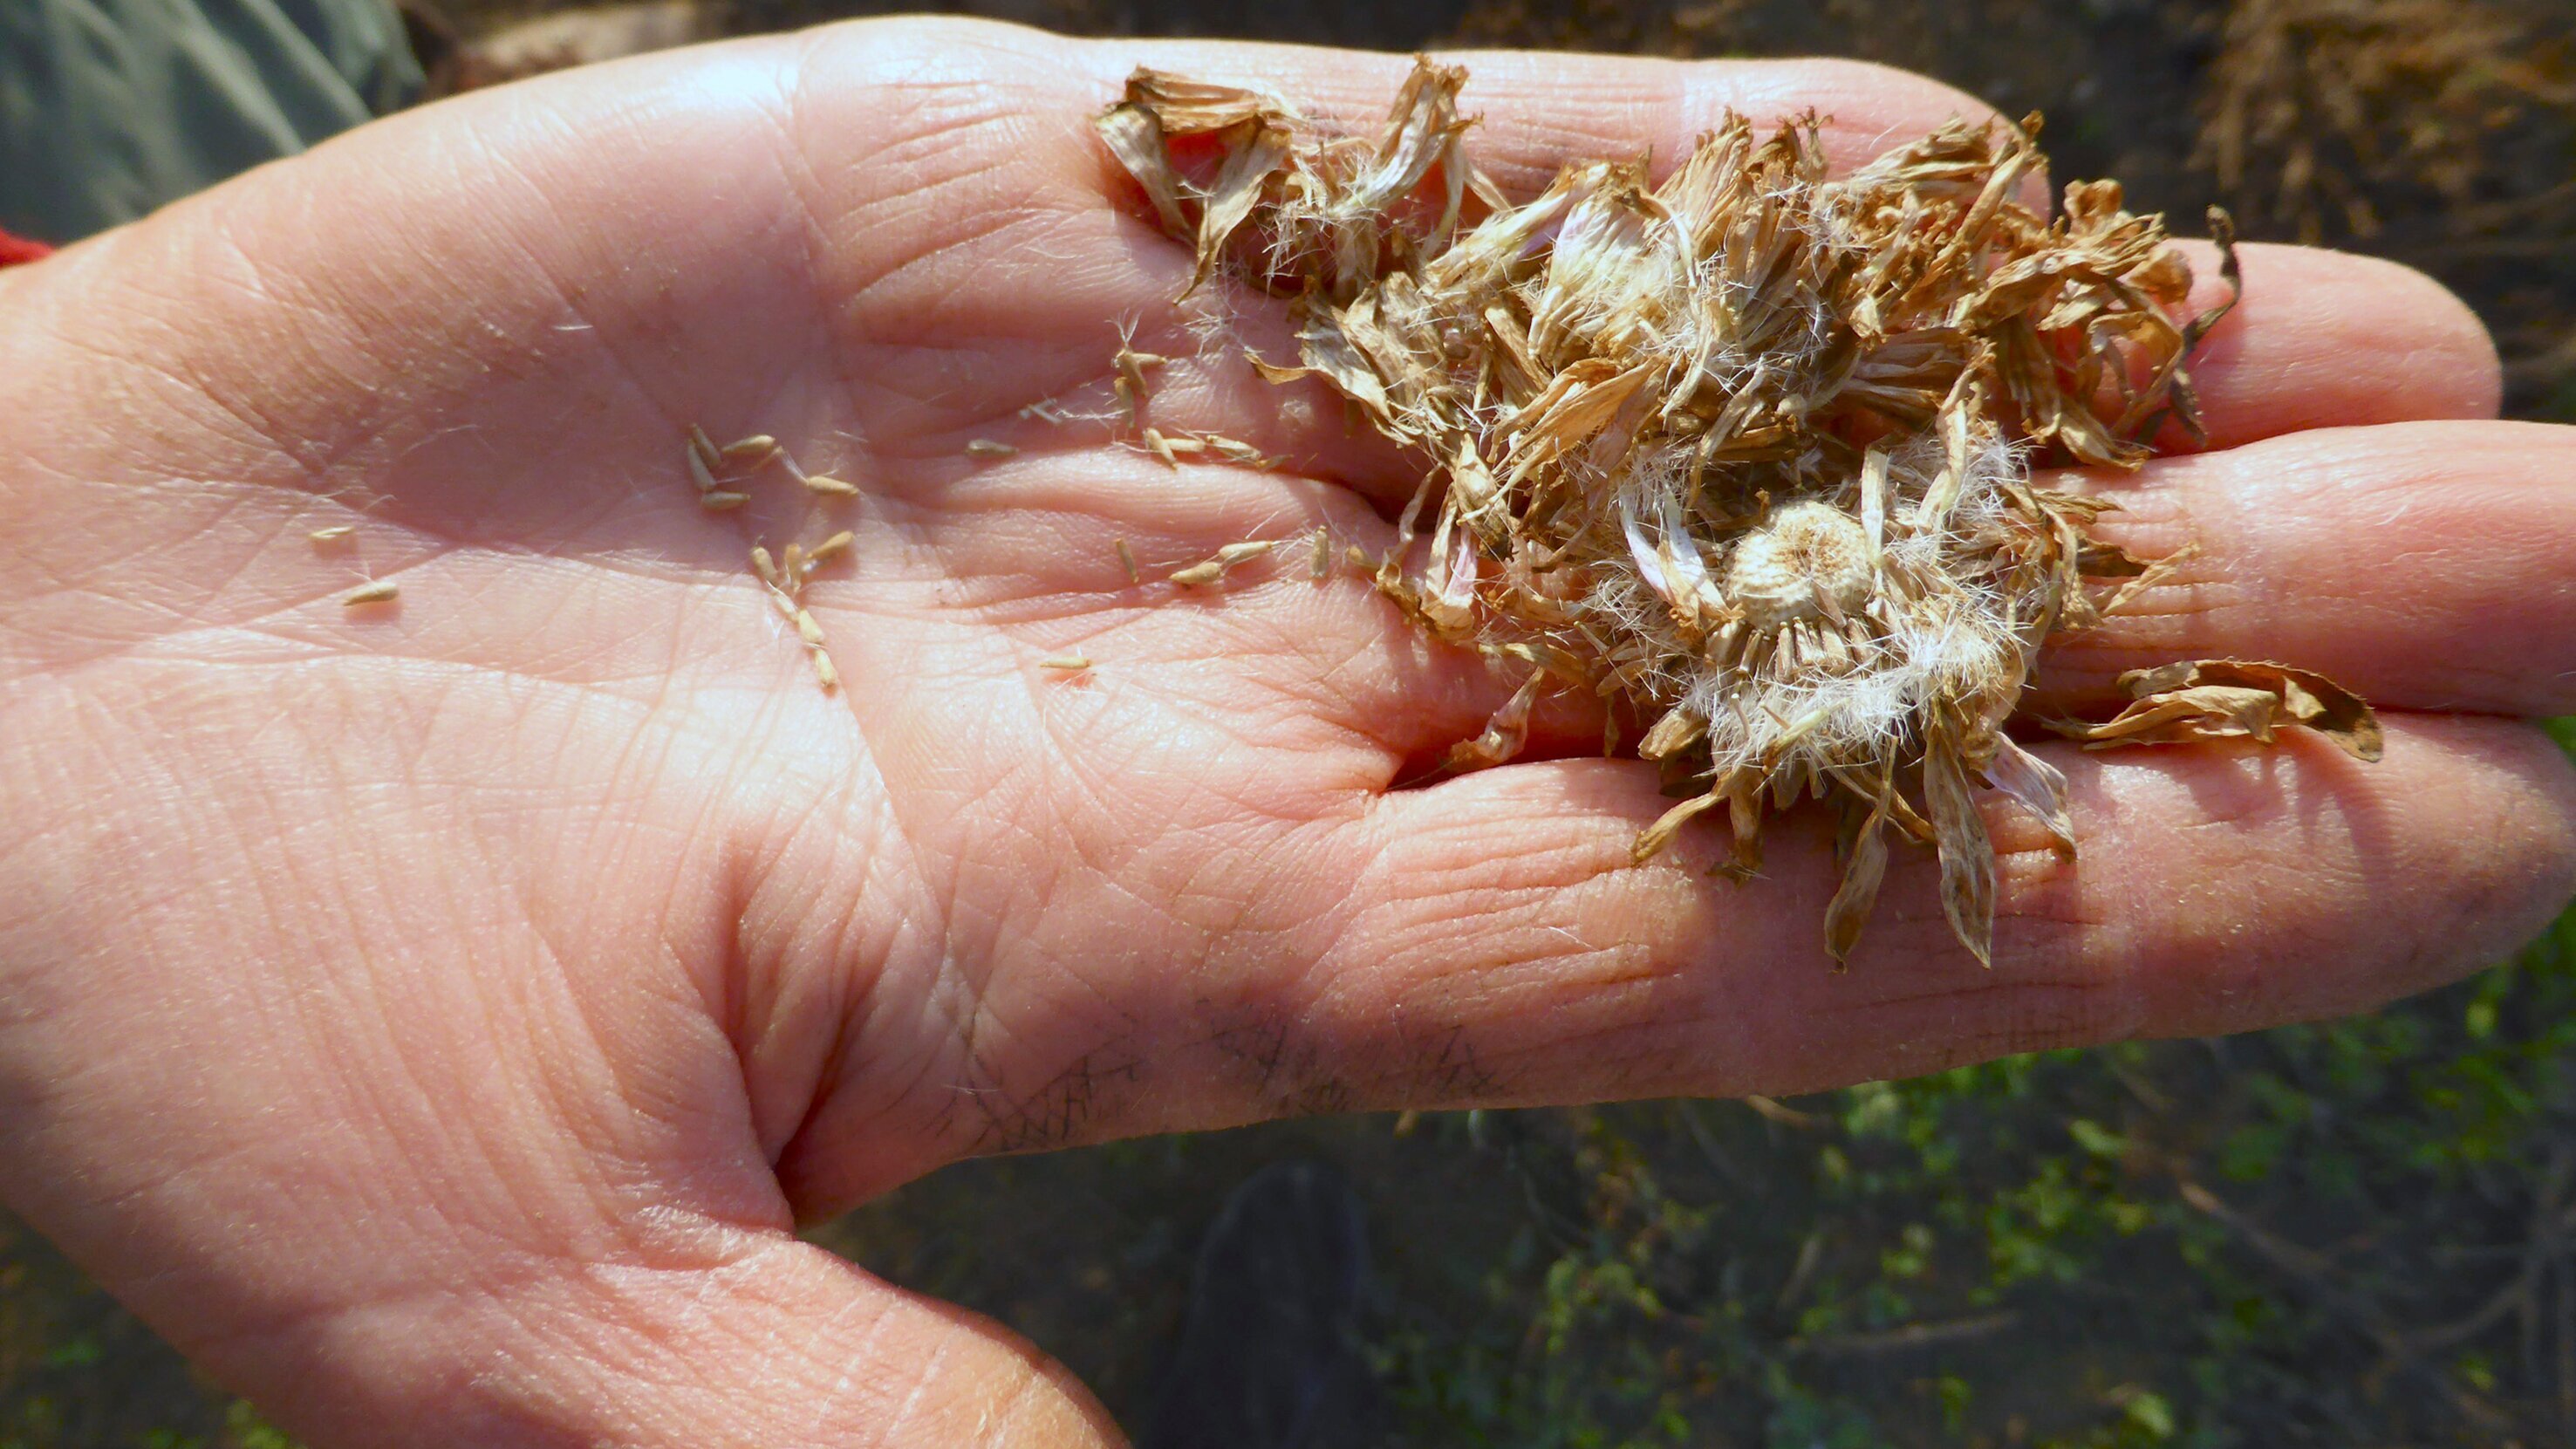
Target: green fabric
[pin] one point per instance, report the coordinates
(109, 108)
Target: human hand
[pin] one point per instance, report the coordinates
(435, 1019)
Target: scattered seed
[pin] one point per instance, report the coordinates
(704, 448)
(1162, 447)
(382, 591)
(1067, 662)
(1199, 573)
(1132, 365)
(1235, 553)
(1321, 566)
(795, 566)
(721, 501)
(763, 565)
(751, 452)
(830, 487)
(1235, 450)
(1127, 561)
(824, 674)
(829, 547)
(333, 534)
(1128, 403)
(699, 472)
(988, 448)
(808, 630)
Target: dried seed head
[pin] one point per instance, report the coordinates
(1746, 452)
(1807, 561)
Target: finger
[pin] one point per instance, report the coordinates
(2423, 565)
(2319, 338)
(2220, 890)
(1487, 942)
(1033, 227)
(2324, 339)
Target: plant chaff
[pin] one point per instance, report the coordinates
(1748, 452)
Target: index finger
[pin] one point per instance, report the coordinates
(2322, 339)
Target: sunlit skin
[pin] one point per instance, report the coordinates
(434, 1017)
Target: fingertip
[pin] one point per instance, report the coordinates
(2332, 339)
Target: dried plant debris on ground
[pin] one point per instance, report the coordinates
(1747, 453)
(2320, 111)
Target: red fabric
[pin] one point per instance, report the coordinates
(16, 249)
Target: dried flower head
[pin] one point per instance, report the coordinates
(1747, 452)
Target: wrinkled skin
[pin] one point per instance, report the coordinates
(435, 1018)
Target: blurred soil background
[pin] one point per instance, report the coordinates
(2355, 1234)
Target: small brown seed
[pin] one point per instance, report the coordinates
(830, 487)
(705, 448)
(751, 452)
(1235, 450)
(1235, 553)
(763, 565)
(722, 501)
(988, 448)
(795, 566)
(1162, 447)
(824, 673)
(699, 472)
(1127, 560)
(808, 630)
(1199, 573)
(334, 534)
(829, 547)
(382, 591)
(1321, 566)
(1070, 663)
(1132, 365)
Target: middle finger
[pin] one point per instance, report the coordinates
(2422, 565)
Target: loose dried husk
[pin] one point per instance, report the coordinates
(1747, 452)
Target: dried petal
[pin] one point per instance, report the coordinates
(1967, 852)
(1857, 896)
(2038, 787)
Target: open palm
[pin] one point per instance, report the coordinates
(435, 1016)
